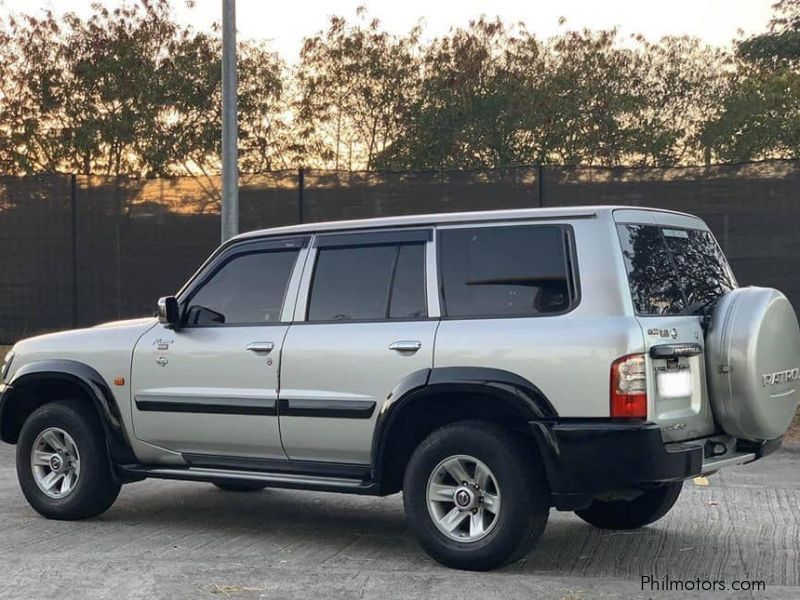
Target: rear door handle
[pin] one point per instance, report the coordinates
(406, 346)
(260, 347)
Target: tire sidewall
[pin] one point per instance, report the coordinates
(94, 466)
(623, 515)
(517, 497)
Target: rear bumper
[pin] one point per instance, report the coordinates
(584, 458)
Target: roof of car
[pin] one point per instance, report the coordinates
(444, 218)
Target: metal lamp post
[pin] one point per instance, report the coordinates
(230, 150)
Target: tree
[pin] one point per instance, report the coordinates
(355, 83)
(760, 116)
(592, 87)
(464, 115)
(781, 44)
(30, 97)
(492, 96)
(128, 91)
(679, 82)
(266, 137)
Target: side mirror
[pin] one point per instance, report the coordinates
(168, 312)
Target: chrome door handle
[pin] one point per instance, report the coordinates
(406, 346)
(260, 347)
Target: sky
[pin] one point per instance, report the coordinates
(285, 24)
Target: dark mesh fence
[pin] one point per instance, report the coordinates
(137, 239)
(82, 250)
(334, 195)
(36, 253)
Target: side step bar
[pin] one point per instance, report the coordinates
(276, 480)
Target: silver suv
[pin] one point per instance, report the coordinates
(490, 365)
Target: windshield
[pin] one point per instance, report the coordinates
(673, 270)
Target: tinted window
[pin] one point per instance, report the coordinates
(408, 293)
(651, 272)
(504, 271)
(248, 289)
(704, 271)
(368, 282)
(672, 270)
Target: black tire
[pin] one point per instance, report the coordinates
(520, 479)
(632, 514)
(95, 489)
(240, 487)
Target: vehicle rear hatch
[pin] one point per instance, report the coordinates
(676, 271)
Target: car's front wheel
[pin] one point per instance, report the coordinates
(62, 462)
(475, 496)
(646, 508)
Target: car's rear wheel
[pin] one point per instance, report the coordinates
(475, 496)
(62, 462)
(646, 508)
(240, 487)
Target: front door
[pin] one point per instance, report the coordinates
(362, 325)
(211, 387)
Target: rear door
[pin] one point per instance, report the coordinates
(362, 324)
(675, 270)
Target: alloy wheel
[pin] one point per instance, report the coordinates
(463, 498)
(56, 462)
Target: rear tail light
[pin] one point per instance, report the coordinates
(629, 387)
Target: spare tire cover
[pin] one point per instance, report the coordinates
(753, 363)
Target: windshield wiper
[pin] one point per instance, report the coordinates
(697, 308)
(701, 308)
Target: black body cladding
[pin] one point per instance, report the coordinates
(93, 385)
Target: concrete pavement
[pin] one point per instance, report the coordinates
(187, 540)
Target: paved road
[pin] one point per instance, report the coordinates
(185, 540)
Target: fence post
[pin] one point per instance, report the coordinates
(73, 204)
(540, 184)
(301, 184)
(118, 209)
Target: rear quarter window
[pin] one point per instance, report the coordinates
(513, 271)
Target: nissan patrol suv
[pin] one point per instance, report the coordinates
(489, 365)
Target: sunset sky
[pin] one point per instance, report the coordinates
(285, 24)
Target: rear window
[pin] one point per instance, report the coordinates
(673, 270)
(369, 283)
(514, 271)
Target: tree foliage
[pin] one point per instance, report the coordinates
(491, 96)
(126, 91)
(131, 91)
(355, 83)
(760, 114)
